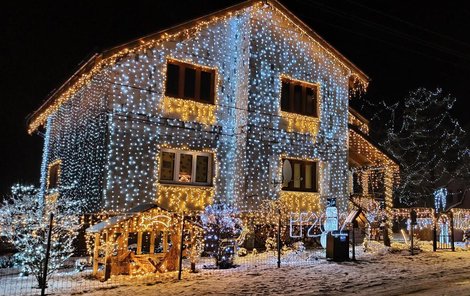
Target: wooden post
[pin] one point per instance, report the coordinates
(165, 241)
(152, 242)
(139, 242)
(96, 252)
(125, 241)
(452, 242)
(180, 268)
(107, 259)
(354, 223)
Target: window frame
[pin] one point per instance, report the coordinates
(197, 87)
(303, 162)
(176, 167)
(304, 85)
(57, 163)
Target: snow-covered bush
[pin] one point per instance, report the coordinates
(298, 247)
(242, 252)
(271, 244)
(7, 261)
(285, 249)
(375, 247)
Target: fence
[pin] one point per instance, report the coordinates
(258, 250)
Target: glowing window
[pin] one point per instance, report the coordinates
(185, 167)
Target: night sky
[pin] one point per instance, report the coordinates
(400, 45)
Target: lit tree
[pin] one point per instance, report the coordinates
(24, 221)
(221, 227)
(428, 142)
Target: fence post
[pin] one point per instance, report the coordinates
(46, 260)
(452, 231)
(434, 233)
(279, 240)
(354, 240)
(180, 268)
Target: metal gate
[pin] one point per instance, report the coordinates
(444, 231)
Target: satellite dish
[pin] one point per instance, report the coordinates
(286, 173)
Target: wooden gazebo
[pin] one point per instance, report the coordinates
(144, 240)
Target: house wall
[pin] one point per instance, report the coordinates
(250, 51)
(77, 139)
(278, 48)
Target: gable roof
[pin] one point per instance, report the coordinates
(94, 64)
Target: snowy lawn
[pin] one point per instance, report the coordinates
(379, 273)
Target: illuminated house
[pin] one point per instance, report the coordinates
(207, 112)
(204, 112)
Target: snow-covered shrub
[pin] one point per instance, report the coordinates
(81, 264)
(285, 249)
(271, 244)
(399, 247)
(242, 252)
(298, 247)
(7, 261)
(375, 247)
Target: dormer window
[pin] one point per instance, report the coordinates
(299, 97)
(187, 81)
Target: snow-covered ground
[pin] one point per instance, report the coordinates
(375, 273)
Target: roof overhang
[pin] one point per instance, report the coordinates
(366, 152)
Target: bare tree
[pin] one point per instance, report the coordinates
(429, 143)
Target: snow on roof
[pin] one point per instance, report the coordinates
(110, 222)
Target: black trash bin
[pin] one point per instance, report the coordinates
(337, 246)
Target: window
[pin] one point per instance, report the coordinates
(194, 168)
(304, 176)
(53, 175)
(172, 80)
(298, 97)
(146, 242)
(186, 81)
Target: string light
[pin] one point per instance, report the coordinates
(108, 128)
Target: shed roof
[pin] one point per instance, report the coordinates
(112, 221)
